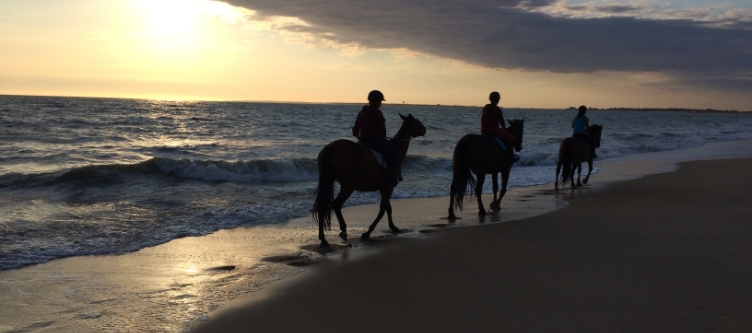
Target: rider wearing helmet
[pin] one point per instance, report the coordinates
(490, 120)
(370, 128)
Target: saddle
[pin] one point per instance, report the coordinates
(380, 161)
(498, 141)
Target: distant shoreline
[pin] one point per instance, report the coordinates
(571, 108)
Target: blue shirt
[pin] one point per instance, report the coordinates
(579, 125)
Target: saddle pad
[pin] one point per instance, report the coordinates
(503, 146)
(379, 159)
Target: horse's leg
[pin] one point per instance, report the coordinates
(504, 182)
(590, 169)
(385, 195)
(344, 193)
(558, 169)
(322, 238)
(388, 196)
(479, 191)
(579, 174)
(571, 176)
(495, 203)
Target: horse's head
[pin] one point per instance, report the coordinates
(411, 127)
(516, 128)
(595, 132)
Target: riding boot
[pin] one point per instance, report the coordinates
(393, 177)
(510, 151)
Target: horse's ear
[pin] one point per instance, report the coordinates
(401, 116)
(410, 115)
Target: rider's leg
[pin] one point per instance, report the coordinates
(388, 151)
(508, 140)
(391, 154)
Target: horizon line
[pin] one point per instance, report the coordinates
(568, 108)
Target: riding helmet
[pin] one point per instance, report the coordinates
(375, 96)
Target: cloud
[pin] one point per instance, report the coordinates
(530, 35)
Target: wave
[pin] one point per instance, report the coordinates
(253, 172)
(259, 171)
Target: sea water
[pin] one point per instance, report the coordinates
(81, 176)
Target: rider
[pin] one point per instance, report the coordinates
(370, 128)
(489, 124)
(580, 123)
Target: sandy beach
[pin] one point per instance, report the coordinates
(667, 252)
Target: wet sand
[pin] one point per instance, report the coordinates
(666, 252)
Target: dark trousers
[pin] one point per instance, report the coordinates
(386, 148)
(507, 139)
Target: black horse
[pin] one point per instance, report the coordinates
(481, 155)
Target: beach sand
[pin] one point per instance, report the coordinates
(669, 252)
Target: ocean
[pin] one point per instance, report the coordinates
(83, 176)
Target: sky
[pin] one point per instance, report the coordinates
(536, 53)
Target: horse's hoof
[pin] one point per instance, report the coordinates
(343, 235)
(585, 181)
(365, 236)
(324, 245)
(396, 230)
(452, 217)
(482, 212)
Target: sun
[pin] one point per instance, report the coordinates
(172, 19)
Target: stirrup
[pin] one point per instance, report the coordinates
(395, 178)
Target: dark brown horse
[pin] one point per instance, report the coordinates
(355, 168)
(481, 155)
(572, 152)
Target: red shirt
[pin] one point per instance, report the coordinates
(370, 122)
(491, 118)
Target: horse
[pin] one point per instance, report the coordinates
(572, 152)
(354, 166)
(481, 155)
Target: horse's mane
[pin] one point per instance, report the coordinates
(594, 128)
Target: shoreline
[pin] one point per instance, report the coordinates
(668, 251)
(194, 279)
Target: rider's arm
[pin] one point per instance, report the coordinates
(501, 119)
(356, 127)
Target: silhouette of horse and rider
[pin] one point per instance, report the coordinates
(577, 149)
(374, 162)
(355, 167)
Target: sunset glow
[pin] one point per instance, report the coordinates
(270, 51)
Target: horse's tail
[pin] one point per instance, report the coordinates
(565, 159)
(462, 177)
(322, 206)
